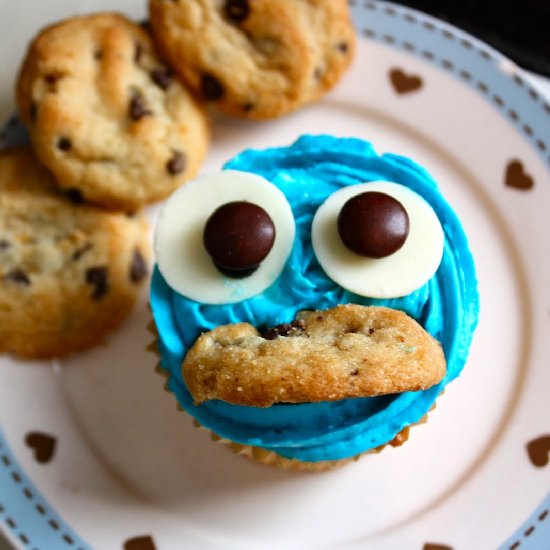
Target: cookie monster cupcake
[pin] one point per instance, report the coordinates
(311, 302)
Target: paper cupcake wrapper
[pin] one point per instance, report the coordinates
(271, 458)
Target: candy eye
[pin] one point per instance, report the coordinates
(378, 239)
(224, 237)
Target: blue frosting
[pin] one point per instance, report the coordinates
(308, 172)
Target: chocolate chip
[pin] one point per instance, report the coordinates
(247, 107)
(211, 87)
(98, 55)
(162, 77)
(74, 195)
(33, 111)
(64, 144)
(138, 52)
(138, 108)
(98, 277)
(138, 268)
(373, 224)
(4, 245)
(177, 163)
(145, 24)
(371, 330)
(285, 329)
(79, 252)
(18, 276)
(237, 10)
(238, 236)
(51, 79)
(354, 372)
(342, 47)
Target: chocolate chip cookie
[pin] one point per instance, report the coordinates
(106, 116)
(347, 351)
(255, 58)
(69, 272)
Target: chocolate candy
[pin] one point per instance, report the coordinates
(98, 278)
(138, 108)
(162, 77)
(237, 10)
(373, 224)
(138, 267)
(238, 236)
(211, 88)
(177, 163)
(64, 144)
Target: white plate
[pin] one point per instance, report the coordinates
(129, 471)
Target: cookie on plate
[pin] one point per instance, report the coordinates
(69, 272)
(256, 59)
(106, 116)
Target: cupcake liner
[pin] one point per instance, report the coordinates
(271, 458)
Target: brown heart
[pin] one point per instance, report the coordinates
(140, 543)
(404, 83)
(516, 176)
(42, 444)
(539, 451)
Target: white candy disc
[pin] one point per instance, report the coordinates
(396, 275)
(180, 253)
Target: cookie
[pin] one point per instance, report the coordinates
(69, 272)
(109, 119)
(346, 351)
(255, 58)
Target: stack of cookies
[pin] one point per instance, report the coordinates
(117, 118)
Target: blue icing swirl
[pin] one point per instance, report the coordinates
(308, 172)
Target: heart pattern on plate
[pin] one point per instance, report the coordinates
(145, 542)
(516, 176)
(539, 451)
(42, 444)
(403, 82)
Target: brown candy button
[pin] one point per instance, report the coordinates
(373, 224)
(238, 236)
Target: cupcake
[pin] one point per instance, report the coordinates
(311, 302)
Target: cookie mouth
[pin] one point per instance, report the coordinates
(325, 355)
